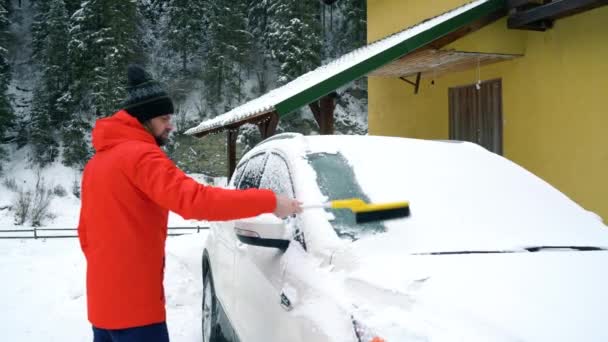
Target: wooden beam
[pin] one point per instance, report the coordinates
(252, 120)
(415, 84)
(232, 135)
(327, 104)
(269, 127)
(512, 4)
(551, 11)
(323, 111)
(316, 111)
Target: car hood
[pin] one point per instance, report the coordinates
(522, 296)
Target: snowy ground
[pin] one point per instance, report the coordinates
(43, 289)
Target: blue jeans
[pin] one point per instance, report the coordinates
(148, 333)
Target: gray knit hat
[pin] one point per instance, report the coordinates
(146, 97)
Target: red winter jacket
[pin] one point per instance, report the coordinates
(128, 187)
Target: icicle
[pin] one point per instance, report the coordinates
(478, 84)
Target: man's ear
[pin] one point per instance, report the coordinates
(148, 126)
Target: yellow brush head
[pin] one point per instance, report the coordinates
(365, 212)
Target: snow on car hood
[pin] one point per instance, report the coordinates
(541, 296)
(462, 197)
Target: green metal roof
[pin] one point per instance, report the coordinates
(354, 65)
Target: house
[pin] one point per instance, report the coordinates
(542, 100)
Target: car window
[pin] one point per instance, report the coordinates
(238, 173)
(336, 180)
(276, 176)
(253, 172)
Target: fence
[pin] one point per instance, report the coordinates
(55, 233)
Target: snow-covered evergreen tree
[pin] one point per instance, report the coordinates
(103, 38)
(353, 26)
(39, 32)
(6, 111)
(186, 28)
(55, 80)
(294, 36)
(227, 52)
(76, 151)
(44, 145)
(261, 57)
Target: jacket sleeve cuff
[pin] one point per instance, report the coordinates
(269, 199)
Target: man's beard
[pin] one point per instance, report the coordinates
(160, 141)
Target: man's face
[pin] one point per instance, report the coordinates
(160, 127)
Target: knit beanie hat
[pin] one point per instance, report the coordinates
(146, 98)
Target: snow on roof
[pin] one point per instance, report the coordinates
(268, 102)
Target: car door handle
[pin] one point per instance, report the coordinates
(285, 302)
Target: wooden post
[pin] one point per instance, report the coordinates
(269, 128)
(316, 111)
(233, 133)
(323, 111)
(327, 106)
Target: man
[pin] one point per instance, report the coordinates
(128, 187)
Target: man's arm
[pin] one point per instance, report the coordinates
(156, 175)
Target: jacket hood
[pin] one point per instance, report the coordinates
(118, 128)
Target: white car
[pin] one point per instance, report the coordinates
(490, 252)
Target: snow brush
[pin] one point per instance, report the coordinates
(367, 212)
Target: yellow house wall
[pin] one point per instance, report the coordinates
(555, 98)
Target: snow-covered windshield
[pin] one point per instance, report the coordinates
(336, 180)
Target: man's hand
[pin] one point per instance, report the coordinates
(287, 206)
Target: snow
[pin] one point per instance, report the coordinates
(43, 289)
(267, 102)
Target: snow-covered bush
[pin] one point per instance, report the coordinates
(40, 202)
(59, 191)
(10, 183)
(33, 205)
(76, 188)
(22, 205)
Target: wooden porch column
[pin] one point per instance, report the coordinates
(233, 133)
(323, 111)
(269, 128)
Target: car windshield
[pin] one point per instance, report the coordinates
(336, 180)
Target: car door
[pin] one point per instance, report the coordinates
(266, 292)
(223, 260)
(258, 280)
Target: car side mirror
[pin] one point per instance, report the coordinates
(265, 230)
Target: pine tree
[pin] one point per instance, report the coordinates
(294, 37)
(55, 78)
(6, 112)
(48, 114)
(41, 10)
(186, 28)
(44, 146)
(260, 53)
(76, 150)
(103, 37)
(353, 28)
(227, 52)
(72, 6)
